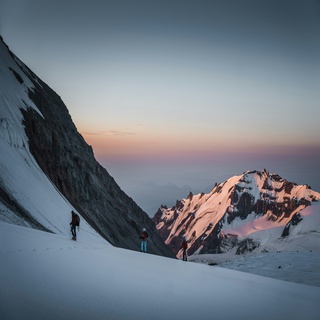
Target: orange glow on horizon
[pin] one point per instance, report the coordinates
(169, 147)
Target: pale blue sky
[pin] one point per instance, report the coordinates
(185, 92)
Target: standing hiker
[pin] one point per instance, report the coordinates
(74, 223)
(184, 247)
(143, 237)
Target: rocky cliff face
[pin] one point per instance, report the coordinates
(69, 162)
(232, 213)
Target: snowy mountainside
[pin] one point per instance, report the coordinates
(47, 169)
(243, 213)
(21, 180)
(27, 196)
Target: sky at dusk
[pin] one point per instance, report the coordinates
(177, 95)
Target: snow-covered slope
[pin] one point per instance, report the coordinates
(47, 169)
(21, 179)
(46, 276)
(247, 211)
(28, 197)
(293, 258)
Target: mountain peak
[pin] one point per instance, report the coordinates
(234, 210)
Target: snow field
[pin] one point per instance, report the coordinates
(47, 276)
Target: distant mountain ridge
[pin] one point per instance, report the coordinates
(234, 212)
(39, 140)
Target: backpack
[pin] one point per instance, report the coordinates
(77, 220)
(185, 245)
(144, 235)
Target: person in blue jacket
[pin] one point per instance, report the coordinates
(143, 237)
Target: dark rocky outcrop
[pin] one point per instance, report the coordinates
(20, 212)
(296, 218)
(247, 245)
(69, 162)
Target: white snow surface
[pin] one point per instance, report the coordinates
(295, 258)
(48, 276)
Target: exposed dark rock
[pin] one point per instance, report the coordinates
(244, 205)
(288, 187)
(19, 211)
(190, 196)
(69, 162)
(296, 218)
(247, 245)
(17, 75)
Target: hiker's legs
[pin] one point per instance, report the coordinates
(143, 246)
(184, 255)
(73, 231)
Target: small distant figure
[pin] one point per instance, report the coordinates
(184, 248)
(75, 222)
(143, 237)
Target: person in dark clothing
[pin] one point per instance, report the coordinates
(184, 247)
(143, 237)
(73, 225)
